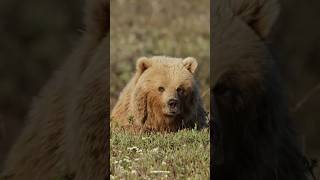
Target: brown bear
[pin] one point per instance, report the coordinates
(163, 95)
(253, 136)
(66, 131)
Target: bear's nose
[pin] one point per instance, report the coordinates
(173, 103)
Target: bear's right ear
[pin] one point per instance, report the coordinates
(190, 64)
(143, 64)
(260, 15)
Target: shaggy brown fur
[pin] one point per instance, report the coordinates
(66, 129)
(255, 138)
(163, 95)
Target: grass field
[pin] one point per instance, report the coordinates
(182, 155)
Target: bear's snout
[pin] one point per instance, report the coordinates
(173, 105)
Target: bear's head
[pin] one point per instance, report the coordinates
(167, 89)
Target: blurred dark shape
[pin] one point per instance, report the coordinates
(35, 37)
(297, 47)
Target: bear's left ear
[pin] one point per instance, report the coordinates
(190, 64)
(260, 15)
(143, 64)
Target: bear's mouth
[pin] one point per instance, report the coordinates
(172, 113)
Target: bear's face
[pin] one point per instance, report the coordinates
(168, 85)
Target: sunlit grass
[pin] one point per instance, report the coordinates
(180, 155)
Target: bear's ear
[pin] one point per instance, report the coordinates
(143, 64)
(190, 64)
(260, 15)
(97, 22)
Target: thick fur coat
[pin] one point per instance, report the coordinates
(163, 95)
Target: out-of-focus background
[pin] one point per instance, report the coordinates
(37, 35)
(158, 27)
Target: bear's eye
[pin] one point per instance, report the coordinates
(180, 91)
(161, 89)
